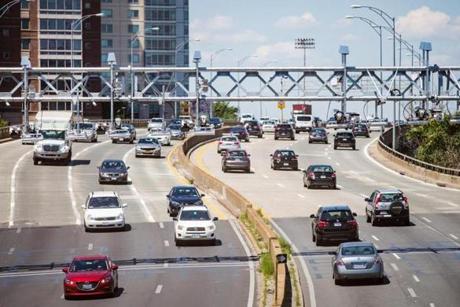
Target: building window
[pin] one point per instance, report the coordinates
(133, 14)
(104, 58)
(25, 24)
(106, 43)
(106, 1)
(133, 43)
(25, 43)
(107, 12)
(107, 28)
(133, 1)
(87, 5)
(135, 60)
(133, 28)
(24, 4)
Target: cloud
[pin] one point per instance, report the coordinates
(295, 22)
(427, 23)
(350, 37)
(278, 50)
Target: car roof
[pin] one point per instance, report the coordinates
(389, 191)
(195, 208)
(103, 193)
(334, 207)
(348, 244)
(320, 165)
(344, 131)
(183, 187)
(92, 257)
(113, 160)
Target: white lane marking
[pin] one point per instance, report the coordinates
(453, 236)
(265, 176)
(362, 195)
(251, 264)
(90, 246)
(144, 207)
(432, 305)
(162, 225)
(339, 186)
(426, 219)
(158, 289)
(394, 266)
(396, 256)
(11, 251)
(452, 204)
(166, 265)
(337, 163)
(300, 195)
(280, 185)
(306, 272)
(13, 189)
(416, 278)
(166, 242)
(329, 158)
(412, 292)
(375, 238)
(421, 195)
(19, 230)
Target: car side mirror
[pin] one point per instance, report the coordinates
(248, 155)
(174, 218)
(367, 199)
(114, 267)
(124, 205)
(215, 219)
(354, 214)
(271, 155)
(296, 156)
(65, 270)
(202, 195)
(312, 216)
(128, 167)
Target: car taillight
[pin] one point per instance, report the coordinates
(311, 175)
(322, 224)
(333, 175)
(377, 200)
(220, 142)
(353, 223)
(406, 201)
(237, 143)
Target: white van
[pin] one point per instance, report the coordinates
(245, 117)
(303, 122)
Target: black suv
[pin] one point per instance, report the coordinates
(390, 205)
(284, 158)
(254, 128)
(284, 131)
(334, 223)
(361, 129)
(183, 196)
(344, 139)
(319, 175)
(240, 132)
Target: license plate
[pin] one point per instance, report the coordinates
(323, 177)
(337, 224)
(359, 266)
(286, 164)
(344, 139)
(383, 212)
(195, 236)
(120, 139)
(87, 286)
(387, 215)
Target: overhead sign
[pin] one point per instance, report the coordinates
(281, 105)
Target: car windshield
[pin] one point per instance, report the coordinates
(86, 126)
(286, 153)
(156, 120)
(118, 165)
(332, 215)
(215, 120)
(148, 141)
(319, 131)
(344, 135)
(237, 129)
(119, 132)
(303, 118)
(185, 192)
(88, 265)
(389, 197)
(269, 122)
(53, 134)
(285, 126)
(229, 139)
(103, 202)
(239, 153)
(175, 127)
(358, 250)
(195, 215)
(322, 168)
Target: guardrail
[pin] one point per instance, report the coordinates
(236, 204)
(429, 166)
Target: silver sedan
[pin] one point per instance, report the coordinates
(148, 147)
(357, 260)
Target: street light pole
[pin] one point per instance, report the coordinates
(25, 63)
(304, 44)
(196, 60)
(7, 6)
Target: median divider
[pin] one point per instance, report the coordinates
(235, 203)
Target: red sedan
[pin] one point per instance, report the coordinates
(90, 275)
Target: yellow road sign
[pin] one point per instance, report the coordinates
(281, 105)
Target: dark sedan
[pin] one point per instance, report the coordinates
(284, 159)
(345, 139)
(361, 130)
(284, 131)
(318, 135)
(236, 160)
(216, 122)
(113, 171)
(180, 196)
(240, 132)
(254, 128)
(319, 175)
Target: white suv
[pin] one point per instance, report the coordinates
(228, 142)
(194, 223)
(103, 210)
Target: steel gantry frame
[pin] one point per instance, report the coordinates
(361, 83)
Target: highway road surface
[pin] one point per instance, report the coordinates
(422, 261)
(41, 223)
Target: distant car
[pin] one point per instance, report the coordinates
(216, 122)
(236, 160)
(228, 143)
(163, 136)
(319, 175)
(268, 126)
(263, 119)
(121, 135)
(113, 171)
(361, 130)
(344, 139)
(194, 223)
(156, 123)
(284, 158)
(245, 117)
(176, 132)
(148, 147)
(131, 129)
(181, 196)
(331, 124)
(90, 276)
(253, 127)
(387, 205)
(87, 132)
(357, 260)
(240, 132)
(317, 135)
(334, 223)
(284, 131)
(30, 138)
(103, 210)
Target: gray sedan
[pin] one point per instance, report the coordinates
(148, 147)
(357, 260)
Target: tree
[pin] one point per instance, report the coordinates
(225, 111)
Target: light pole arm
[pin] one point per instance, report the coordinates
(7, 6)
(385, 16)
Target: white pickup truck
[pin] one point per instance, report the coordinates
(53, 148)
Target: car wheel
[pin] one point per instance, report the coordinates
(304, 184)
(276, 138)
(260, 136)
(335, 147)
(248, 170)
(293, 139)
(354, 147)
(131, 142)
(326, 142)
(35, 161)
(313, 238)
(87, 229)
(309, 142)
(368, 218)
(406, 221)
(67, 297)
(178, 242)
(318, 240)
(113, 141)
(337, 281)
(373, 220)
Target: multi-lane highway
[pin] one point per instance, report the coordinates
(422, 261)
(41, 223)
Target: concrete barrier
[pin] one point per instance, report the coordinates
(235, 203)
(4, 133)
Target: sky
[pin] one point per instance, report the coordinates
(265, 31)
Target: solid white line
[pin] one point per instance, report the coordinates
(300, 195)
(416, 278)
(396, 256)
(11, 251)
(306, 272)
(252, 282)
(375, 238)
(426, 219)
(166, 242)
(339, 186)
(452, 204)
(158, 289)
(329, 158)
(411, 292)
(161, 225)
(90, 246)
(165, 265)
(453, 236)
(13, 189)
(362, 195)
(394, 266)
(421, 195)
(19, 230)
(432, 305)
(144, 207)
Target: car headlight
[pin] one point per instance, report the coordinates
(104, 175)
(69, 282)
(198, 203)
(180, 227)
(38, 147)
(212, 227)
(175, 204)
(106, 279)
(64, 148)
(90, 217)
(120, 216)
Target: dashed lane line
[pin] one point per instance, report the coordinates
(426, 219)
(11, 251)
(300, 195)
(375, 238)
(90, 246)
(394, 266)
(18, 231)
(453, 236)
(280, 185)
(161, 225)
(411, 292)
(415, 278)
(166, 243)
(158, 289)
(396, 256)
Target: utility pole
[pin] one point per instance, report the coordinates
(344, 51)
